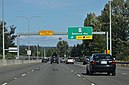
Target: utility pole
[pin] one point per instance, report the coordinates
(3, 29)
(110, 29)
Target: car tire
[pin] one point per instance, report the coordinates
(108, 73)
(90, 72)
(113, 73)
(87, 71)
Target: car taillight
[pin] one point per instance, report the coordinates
(113, 62)
(93, 62)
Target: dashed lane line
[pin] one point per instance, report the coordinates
(78, 75)
(32, 70)
(4, 83)
(23, 74)
(15, 78)
(124, 73)
(92, 84)
(71, 70)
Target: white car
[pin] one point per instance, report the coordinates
(70, 61)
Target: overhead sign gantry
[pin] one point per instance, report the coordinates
(79, 33)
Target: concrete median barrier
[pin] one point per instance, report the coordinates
(13, 62)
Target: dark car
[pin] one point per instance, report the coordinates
(54, 59)
(86, 59)
(101, 63)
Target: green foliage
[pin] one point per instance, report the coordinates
(10, 55)
(9, 36)
(120, 30)
(76, 51)
(97, 44)
(62, 48)
(1, 56)
(120, 25)
(49, 52)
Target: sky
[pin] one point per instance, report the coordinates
(55, 15)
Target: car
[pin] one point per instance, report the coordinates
(54, 59)
(70, 61)
(86, 59)
(45, 60)
(101, 63)
(63, 60)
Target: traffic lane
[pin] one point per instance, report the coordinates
(123, 70)
(51, 74)
(5, 69)
(101, 78)
(16, 71)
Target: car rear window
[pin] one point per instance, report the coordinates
(103, 57)
(70, 58)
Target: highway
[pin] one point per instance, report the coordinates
(58, 74)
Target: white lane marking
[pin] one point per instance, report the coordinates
(4, 83)
(15, 78)
(78, 75)
(23, 74)
(80, 65)
(71, 70)
(92, 84)
(32, 70)
(124, 73)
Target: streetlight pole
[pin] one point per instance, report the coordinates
(37, 48)
(110, 30)
(44, 52)
(28, 19)
(3, 29)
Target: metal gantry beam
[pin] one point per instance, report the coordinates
(55, 33)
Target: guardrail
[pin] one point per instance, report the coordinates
(123, 64)
(14, 62)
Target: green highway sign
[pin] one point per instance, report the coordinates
(79, 33)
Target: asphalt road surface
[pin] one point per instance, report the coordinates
(58, 74)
